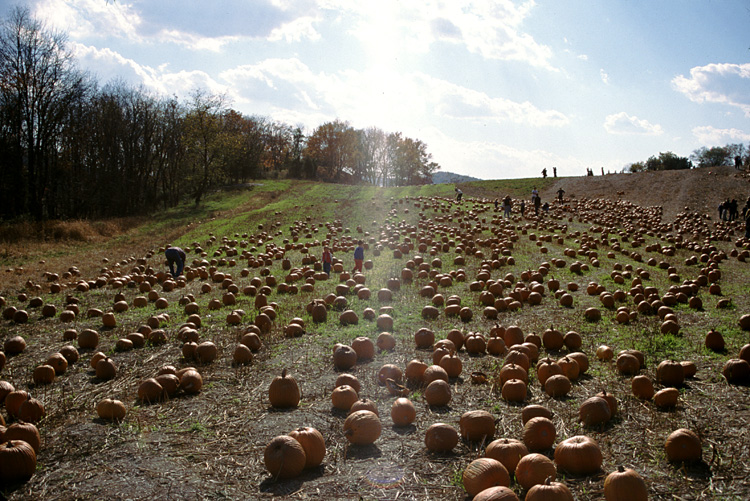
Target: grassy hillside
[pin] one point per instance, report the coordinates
(211, 444)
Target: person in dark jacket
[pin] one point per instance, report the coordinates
(176, 260)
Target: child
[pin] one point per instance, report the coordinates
(327, 260)
(359, 257)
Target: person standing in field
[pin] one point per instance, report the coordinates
(327, 259)
(359, 257)
(176, 260)
(560, 194)
(507, 205)
(459, 194)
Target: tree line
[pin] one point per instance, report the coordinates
(731, 154)
(72, 148)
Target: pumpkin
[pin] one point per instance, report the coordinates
(557, 386)
(362, 427)
(594, 411)
(666, 398)
(433, 373)
(313, 443)
(191, 381)
(283, 392)
(642, 387)
(547, 368)
(170, 383)
(28, 432)
(389, 371)
(534, 469)
(284, 457)
(484, 473)
(206, 352)
(549, 491)
(552, 339)
(150, 391)
(95, 359)
(670, 373)
(579, 455)
(31, 411)
(627, 364)
(112, 410)
(344, 357)
(385, 341)
(569, 367)
(414, 371)
(532, 411)
(604, 353)
(683, 445)
(349, 379)
(14, 345)
(714, 341)
(106, 369)
(452, 364)
(497, 493)
(403, 412)
(364, 348)
(88, 339)
(437, 393)
(736, 371)
(477, 425)
(58, 362)
(364, 404)
(440, 437)
(44, 374)
(17, 462)
(342, 397)
(514, 390)
(539, 434)
(512, 371)
(242, 355)
(582, 359)
(508, 451)
(517, 356)
(625, 485)
(610, 399)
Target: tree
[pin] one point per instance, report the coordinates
(711, 157)
(205, 140)
(39, 84)
(333, 147)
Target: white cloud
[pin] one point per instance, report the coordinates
(490, 28)
(605, 77)
(624, 124)
(381, 97)
(296, 30)
(711, 136)
(723, 83)
(110, 65)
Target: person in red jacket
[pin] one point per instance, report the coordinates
(327, 260)
(176, 260)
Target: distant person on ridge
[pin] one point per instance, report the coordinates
(327, 259)
(554, 171)
(175, 259)
(359, 257)
(738, 162)
(544, 173)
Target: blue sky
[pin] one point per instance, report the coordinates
(497, 89)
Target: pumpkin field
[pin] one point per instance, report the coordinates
(597, 351)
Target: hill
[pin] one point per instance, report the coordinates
(434, 270)
(700, 190)
(441, 177)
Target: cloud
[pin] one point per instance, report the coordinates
(490, 28)
(111, 66)
(711, 136)
(386, 99)
(624, 124)
(722, 83)
(605, 77)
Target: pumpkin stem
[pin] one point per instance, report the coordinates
(283, 373)
(620, 468)
(547, 480)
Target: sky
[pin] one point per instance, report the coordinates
(496, 89)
